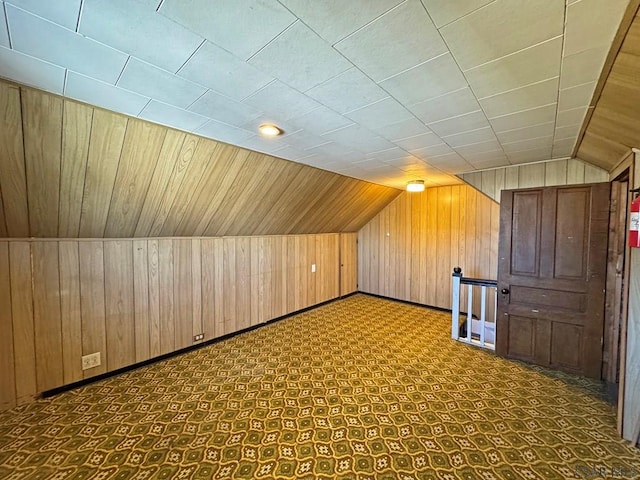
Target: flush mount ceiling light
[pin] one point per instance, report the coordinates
(270, 130)
(415, 186)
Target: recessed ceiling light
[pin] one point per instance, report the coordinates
(415, 186)
(270, 130)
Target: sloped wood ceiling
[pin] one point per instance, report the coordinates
(69, 170)
(614, 126)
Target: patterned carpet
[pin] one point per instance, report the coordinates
(362, 388)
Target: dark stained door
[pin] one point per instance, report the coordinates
(552, 260)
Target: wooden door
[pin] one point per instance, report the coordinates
(348, 263)
(552, 259)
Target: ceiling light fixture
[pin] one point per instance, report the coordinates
(415, 186)
(270, 130)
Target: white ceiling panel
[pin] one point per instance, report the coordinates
(4, 34)
(347, 91)
(224, 109)
(569, 131)
(408, 162)
(590, 26)
(359, 138)
(320, 120)
(527, 156)
(461, 123)
(103, 94)
(223, 132)
(379, 114)
(322, 18)
(398, 40)
(291, 153)
(563, 148)
(490, 163)
(62, 12)
(516, 70)
(300, 58)
(388, 154)
(425, 153)
(261, 21)
(419, 141)
(263, 145)
(531, 144)
(31, 71)
(526, 133)
(582, 67)
(571, 117)
(575, 97)
(467, 138)
(431, 79)
(458, 102)
(526, 118)
(63, 47)
(451, 163)
(524, 98)
(446, 11)
(332, 149)
(171, 116)
(130, 26)
(153, 82)
(488, 159)
(219, 70)
(398, 131)
(501, 28)
(281, 101)
(478, 148)
(303, 140)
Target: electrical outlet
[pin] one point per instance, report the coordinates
(313, 268)
(91, 361)
(198, 337)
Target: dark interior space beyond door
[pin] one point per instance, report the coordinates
(552, 259)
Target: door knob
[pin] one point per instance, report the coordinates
(505, 291)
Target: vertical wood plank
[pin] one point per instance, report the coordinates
(555, 173)
(500, 183)
(277, 309)
(443, 248)
(165, 277)
(531, 175)
(3, 222)
(92, 303)
(230, 285)
(575, 171)
(141, 300)
(22, 315)
(255, 280)
(593, 174)
(196, 286)
(302, 268)
(243, 282)
(512, 178)
(13, 179)
(76, 131)
(183, 293)
(456, 239)
(425, 219)
(70, 312)
(292, 262)
(432, 246)
(207, 247)
(46, 315)
(153, 260)
(218, 254)
(7, 365)
(119, 303)
(489, 183)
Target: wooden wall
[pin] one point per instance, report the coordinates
(136, 299)
(69, 170)
(543, 174)
(408, 251)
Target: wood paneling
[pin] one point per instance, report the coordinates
(135, 299)
(348, 263)
(420, 237)
(92, 174)
(544, 174)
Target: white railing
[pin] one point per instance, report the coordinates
(467, 327)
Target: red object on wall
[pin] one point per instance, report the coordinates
(634, 223)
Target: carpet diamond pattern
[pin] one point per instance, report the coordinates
(361, 388)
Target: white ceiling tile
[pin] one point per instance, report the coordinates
(524, 98)
(450, 105)
(578, 96)
(450, 163)
(592, 23)
(425, 153)
(400, 39)
(303, 139)
(516, 70)
(332, 149)
(242, 27)
(526, 118)
(153, 82)
(530, 144)
(534, 131)
(322, 18)
(569, 131)
(467, 138)
(404, 129)
(563, 148)
(431, 79)
(491, 162)
(300, 58)
(103, 94)
(4, 34)
(478, 148)
(501, 28)
(62, 12)
(379, 114)
(571, 117)
(359, 138)
(583, 67)
(281, 101)
(461, 123)
(171, 116)
(253, 125)
(446, 11)
(488, 159)
(224, 109)
(31, 71)
(223, 72)
(263, 145)
(320, 120)
(63, 47)
(388, 154)
(419, 141)
(223, 132)
(130, 26)
(526, 156)
(290, 153)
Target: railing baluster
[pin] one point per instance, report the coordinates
(483, 308)
(469, 311)
(455, 305)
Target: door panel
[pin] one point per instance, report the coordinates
(552, 268)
